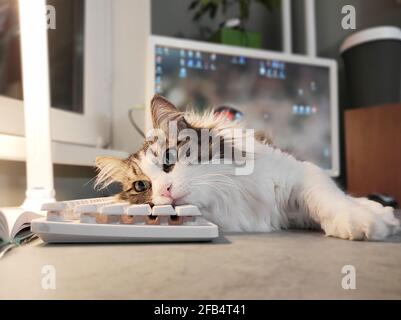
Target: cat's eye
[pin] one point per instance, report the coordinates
(141, 185)
(169, 159)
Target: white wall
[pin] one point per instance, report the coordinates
(131, 24)
(12, 183)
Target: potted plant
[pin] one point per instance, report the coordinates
(233, 29)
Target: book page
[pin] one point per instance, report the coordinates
(4, 231)
(11, 215)
(15, 219)
(24, 221)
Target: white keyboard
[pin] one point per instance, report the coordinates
(108, 220)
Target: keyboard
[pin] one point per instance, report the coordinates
(108, 220)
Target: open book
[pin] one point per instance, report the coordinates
(15, 223)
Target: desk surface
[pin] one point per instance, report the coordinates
(287, 264)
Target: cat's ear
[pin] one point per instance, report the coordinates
(110, 169)
(163, 111)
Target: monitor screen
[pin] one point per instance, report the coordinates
(288, 100)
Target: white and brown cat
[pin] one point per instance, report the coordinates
(280, 192)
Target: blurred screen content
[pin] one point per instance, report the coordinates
(289, 101)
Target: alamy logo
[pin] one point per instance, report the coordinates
(349, 20)
(206, 146)
(51, 17)
(48, 277)
(349, 280)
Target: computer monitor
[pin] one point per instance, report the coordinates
(291, 97)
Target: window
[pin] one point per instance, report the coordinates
(10, 59)
(66, 46)
(65, 53)
(80, 71)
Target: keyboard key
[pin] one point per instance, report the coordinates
(139, 210)
(71, 204)
(175, 220)
(55, 216)
(87, 208)
(107, 219)
(126, 219)
(88, 217)
(187, 210)
(114, 209)
(165, 210)
(152, 220)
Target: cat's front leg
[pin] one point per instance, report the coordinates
(340, 215)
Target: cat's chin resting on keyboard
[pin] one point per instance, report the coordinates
(279, 192)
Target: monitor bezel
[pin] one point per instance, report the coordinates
(251, 53)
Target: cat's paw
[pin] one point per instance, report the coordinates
(363, 220)
(373, 205)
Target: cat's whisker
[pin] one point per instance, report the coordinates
(218, 191)
(210, 174)
(227, 181)
(89, 181)
(213, 183)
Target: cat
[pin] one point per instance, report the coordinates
(280, 192)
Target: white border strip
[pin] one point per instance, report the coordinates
(13, 149)
(371, 34)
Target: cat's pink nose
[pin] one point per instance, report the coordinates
(166, 191)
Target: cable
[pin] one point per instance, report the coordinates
(131, 119)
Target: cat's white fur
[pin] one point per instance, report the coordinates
(280, 193)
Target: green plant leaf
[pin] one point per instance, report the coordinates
(270, 5)
(193, 4)
(197, 15)
(212, 12)
(204, 9)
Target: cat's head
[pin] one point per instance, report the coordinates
(167, 170)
